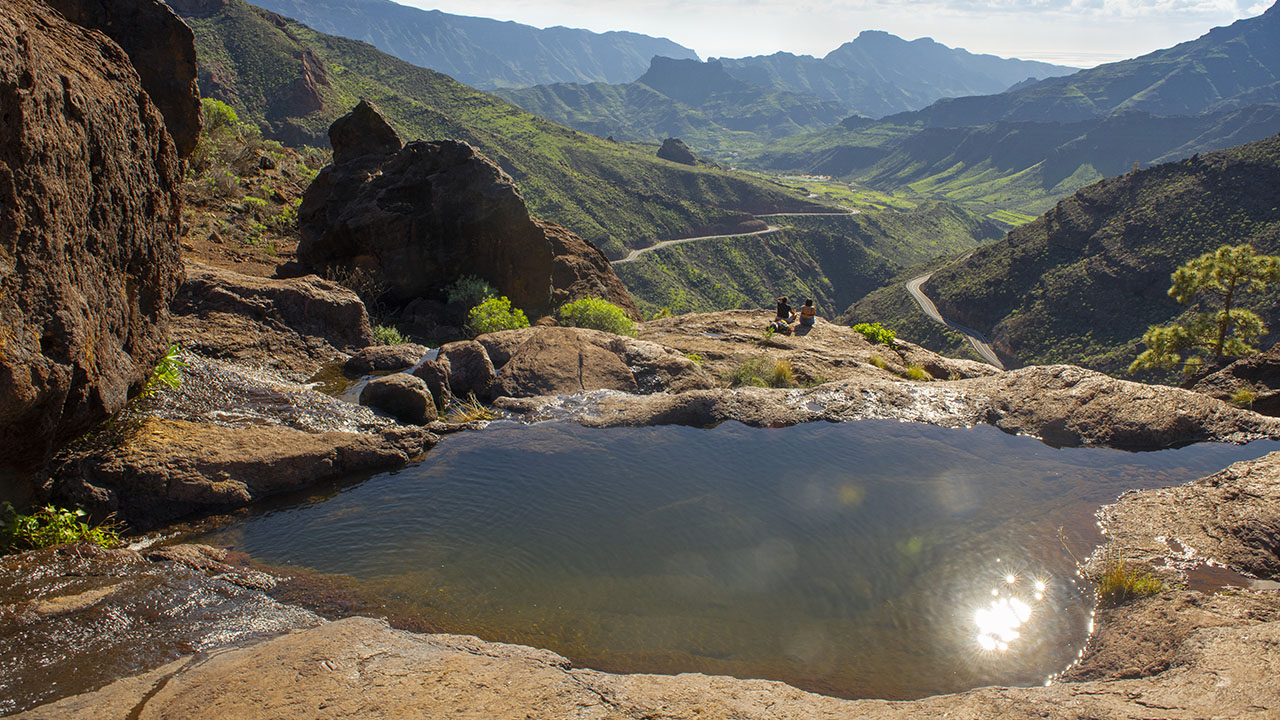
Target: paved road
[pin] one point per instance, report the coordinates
(657, 246)
(976, 339)
(771, 229)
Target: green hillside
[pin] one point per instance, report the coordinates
(832, 259)
(294, 81)
(697, 102)
(1081, 283)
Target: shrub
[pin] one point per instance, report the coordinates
(1121, 582)
(915, 372)
(1244, 397)
(694, 358)
(762, 372)
(661, 314)
(388, 335)
(52, 526)
(469, 291)
(218, 115)
(875, 333)
(879, 362)
(597, 314)
(782, 375)
(495, 314)
(166, 374)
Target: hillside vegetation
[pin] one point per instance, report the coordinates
(481, 52)
(832, 259)
(294, 81)
(1083, 282)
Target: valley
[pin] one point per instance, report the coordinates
(362, 360)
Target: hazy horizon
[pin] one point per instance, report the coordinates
(1080, 33)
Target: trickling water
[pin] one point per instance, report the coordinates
(867, 559)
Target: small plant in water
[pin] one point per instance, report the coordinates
(469, 410)
(52, 525)
(1121, 582)
(167, 373)
(389, 335)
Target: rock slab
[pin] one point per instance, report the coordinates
(89, 214)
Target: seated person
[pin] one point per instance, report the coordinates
(808, 313)
(784, 310)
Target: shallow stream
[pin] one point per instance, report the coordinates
(863, 559)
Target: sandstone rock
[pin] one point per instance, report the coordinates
(89, 258)
(162, 50)
(559, 360)
(469, 367)
(675, 150)
(419, 218)
(294, 325)
(162, 470)
(401, 395)
(382, 358)
(1259, 374)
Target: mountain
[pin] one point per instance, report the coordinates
(1081, 283)
(695, 101)
(879, 74)
(1227, 68)
(480, 52)
(1019, 166)
(294, 81)
(832, 259)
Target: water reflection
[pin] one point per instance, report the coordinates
(854, 559)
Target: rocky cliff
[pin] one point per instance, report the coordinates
(89, 211)
(419, 216)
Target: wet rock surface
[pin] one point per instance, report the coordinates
(419, 217)
(384, 358)
(293, 326)
(89, 213)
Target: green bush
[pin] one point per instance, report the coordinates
(1121, 582)
(166, 374)
(389, 335)
(875, 333)
(51, 526)
(762, 372)
(694, 358)
(915, 372)
(879, 362)
(218, 115)
(469, 291)
(597, 314)
(495, 314)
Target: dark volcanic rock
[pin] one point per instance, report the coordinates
(294, 326)
(89, 211)
(1258, 374)
(436, 375)
(162, 49)
(469, 368)
(675, 150)
(420, 217)
(401, 395)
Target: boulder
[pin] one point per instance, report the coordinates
(167, 469)
(162, 49)
(89, 215)
(403, 396)
(469, 368)
(675, 150)
(436, 375)
(384, 358)
(293, 326)
(558, 360)
(418, 217)
(1258, 374)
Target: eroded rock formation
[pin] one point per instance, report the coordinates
(675, 150)
(89, 211)
(1257, 375)
(418, 217)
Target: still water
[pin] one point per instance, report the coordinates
(864, 559)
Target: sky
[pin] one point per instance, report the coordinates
(1081, 33)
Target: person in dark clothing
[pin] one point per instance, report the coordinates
(784, 310)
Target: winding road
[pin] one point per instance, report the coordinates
(976, 339)
(771, 229)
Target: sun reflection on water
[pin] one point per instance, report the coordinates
(1000, 621)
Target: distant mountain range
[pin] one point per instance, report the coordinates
(481, 52)
(695, 101)
(878, 74)
(294, 81)
(1081, 284)
(1026, 148)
